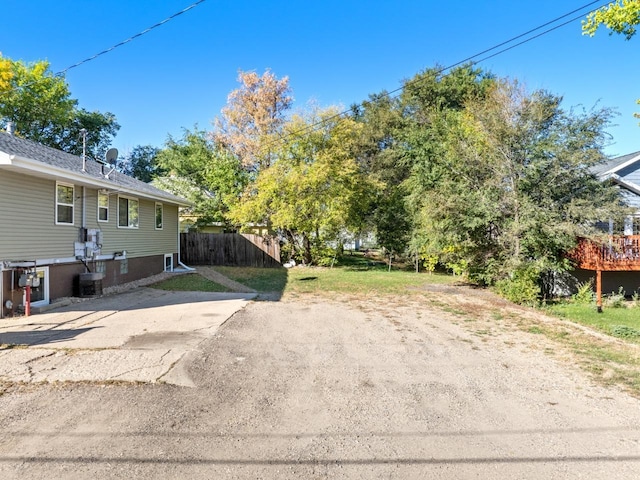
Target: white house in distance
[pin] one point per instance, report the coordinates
(62, 216)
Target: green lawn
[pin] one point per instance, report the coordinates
(351, 274)
(623, 322)
(359, 281)
(260, 279)
(190, 282)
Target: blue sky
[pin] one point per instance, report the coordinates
(335, 52)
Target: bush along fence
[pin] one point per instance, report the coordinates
(229, 249)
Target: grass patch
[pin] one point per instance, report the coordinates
(608, 363)
(351, 274)
(190, 282)
(618, 322)
(260, 279)
(359, 281)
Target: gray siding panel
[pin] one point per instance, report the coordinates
(138, 242)
(28, 230)
(630, 198)
(27, 219)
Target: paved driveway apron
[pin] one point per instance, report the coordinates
(138, 336)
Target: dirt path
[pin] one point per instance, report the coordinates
(359, 388)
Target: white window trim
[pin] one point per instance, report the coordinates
(168, 266)
(99, 207)
(44, 285)
(118, 214)
(155, 215)
(73, 208)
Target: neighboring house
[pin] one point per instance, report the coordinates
(618, 261)
(624, 172)
(62, 216)
(188, 224)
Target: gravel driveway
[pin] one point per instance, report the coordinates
(310, 388)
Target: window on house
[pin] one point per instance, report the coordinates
(64, 204)
(103, 207)
(159, 215)
(128, 216)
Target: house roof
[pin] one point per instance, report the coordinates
(38, 160)
(616, 164)
(613, 170)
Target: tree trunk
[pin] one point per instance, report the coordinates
(307, 250)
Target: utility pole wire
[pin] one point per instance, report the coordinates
(137, 35)
(395, 93)
(62, 73)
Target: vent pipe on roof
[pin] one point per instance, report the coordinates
(11, 128)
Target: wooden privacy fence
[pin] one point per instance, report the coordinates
(229, 249)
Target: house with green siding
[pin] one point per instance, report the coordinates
(65, 218)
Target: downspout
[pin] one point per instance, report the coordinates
(84, 208)
(84, 224)
(180, 261)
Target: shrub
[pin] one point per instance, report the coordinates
(430, 262)
(615, 300)
(522, 287)
(635, 299)
(584, 295)
(624, 331)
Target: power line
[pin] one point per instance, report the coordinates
(137, 35)
(395, 93)
(61, 73)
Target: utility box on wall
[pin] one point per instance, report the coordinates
(29, 279)
(91, 247)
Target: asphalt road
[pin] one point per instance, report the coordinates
(308, 388)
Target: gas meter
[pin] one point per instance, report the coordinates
(29, 279)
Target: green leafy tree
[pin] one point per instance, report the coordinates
(142, 163)
(383, 161)
(401, 137)
(621, 16)
(201, 171)
(429, 102)
(520, 187)
(392, 223)
(40, 106)
(101, 129)
(315, 190)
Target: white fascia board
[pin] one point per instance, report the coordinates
(626, 184)
(78, 178)
(622, 166)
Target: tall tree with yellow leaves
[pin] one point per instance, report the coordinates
(253, 118)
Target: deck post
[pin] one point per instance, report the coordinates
(599, 290)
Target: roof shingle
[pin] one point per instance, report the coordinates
(28, 149)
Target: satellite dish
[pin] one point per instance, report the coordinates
(112, 155)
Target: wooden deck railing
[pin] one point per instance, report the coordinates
(617, 254)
